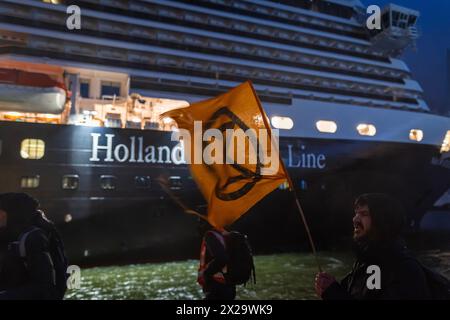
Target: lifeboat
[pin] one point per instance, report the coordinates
(36, 92)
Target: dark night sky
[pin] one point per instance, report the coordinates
(429, 63)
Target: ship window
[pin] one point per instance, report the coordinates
(385, 20)
(70, 182)
(133, 124)
(446, 143)
(32, 149)
(416, 135)
(113, 120)
(395, 18)
(29, 182)
(84, 88)
(282, 122)
(365, 129)
(142, 182)
(151, 125)
(326, 126)
(110, 88)
(108, 182)
(412, 20)
(175, 183)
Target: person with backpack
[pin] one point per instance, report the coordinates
(33, 263)
(378, 222)
(225, 261)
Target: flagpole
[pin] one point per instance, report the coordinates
(291, 184)
(185, 208)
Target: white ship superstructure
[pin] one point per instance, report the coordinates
(332, 87)
(307, 50)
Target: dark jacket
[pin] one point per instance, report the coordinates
(402, 276)
(32, 277)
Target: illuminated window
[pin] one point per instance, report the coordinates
(326, 126)
(32, 149)
(70, 182)
(142, 182)
(175, 183)
(167, 120)
(446, 143)
(365, 129)
(416, 135)
(282, 123)
(108, 182)
(29, 182)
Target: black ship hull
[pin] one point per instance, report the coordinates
(139, 222)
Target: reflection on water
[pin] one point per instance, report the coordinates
(281, 276)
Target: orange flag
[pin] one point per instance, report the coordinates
(232, 153)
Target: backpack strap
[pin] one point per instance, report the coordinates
(253, 272)
(22, 242)
(23, 251)
(219, 237)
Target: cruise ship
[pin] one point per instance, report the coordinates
(83, 85)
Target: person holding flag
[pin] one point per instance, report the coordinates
(231, 184)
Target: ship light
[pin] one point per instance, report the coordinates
(282, 122)
(446, 143)
(50, 116)
(13, 114)
(416, 135)
(326, 126)
(258, 120)
(167, 120)
(366, 129)
(67, 218)
(90, 112)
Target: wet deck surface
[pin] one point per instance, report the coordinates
(281, 276)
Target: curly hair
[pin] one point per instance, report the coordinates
(387, 214)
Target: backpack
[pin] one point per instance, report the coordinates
(438, 284)
(240, 267)
(57, 254)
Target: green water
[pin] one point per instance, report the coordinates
(281, 276)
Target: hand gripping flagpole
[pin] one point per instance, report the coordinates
(291, 185)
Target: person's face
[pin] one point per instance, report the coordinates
(3, 218)
(361, 222)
